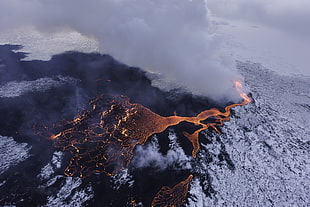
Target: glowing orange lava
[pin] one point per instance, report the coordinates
(102, 139)
(172, 197)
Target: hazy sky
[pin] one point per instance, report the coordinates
(289, 15)
(275, 33)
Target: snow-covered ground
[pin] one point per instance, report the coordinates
(58, 42)
(12, 153)
(70, 191)
(261, 159)
(268, 143)
(14, 89)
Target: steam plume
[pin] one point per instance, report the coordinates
(172, 37)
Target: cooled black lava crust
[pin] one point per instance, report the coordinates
(96, 74)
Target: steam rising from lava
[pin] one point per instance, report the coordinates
(172, 37)
(102, 139)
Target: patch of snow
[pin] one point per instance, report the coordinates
(197, 197)
(286, 96)
(71, 193)
(13, 89)
(48, 170)
(53, 180)
(57, 42)
(57, 158)
(2, 183)
(11, 152)
(122, 178)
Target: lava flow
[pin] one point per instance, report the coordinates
(103, 138)
(171, 197)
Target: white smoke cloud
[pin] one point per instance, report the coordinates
(149, 155)
(290, 15)
(174, 37)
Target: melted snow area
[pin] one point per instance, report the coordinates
(267, 143)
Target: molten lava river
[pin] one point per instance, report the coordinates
(103, 138)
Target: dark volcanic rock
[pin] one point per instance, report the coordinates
(43, 93)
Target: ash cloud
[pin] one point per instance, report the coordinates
(174, 38)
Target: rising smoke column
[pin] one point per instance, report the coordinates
(174, 37)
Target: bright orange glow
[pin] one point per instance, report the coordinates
(172, 197)
(102, 139)
(238, 86)
(55, 136)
